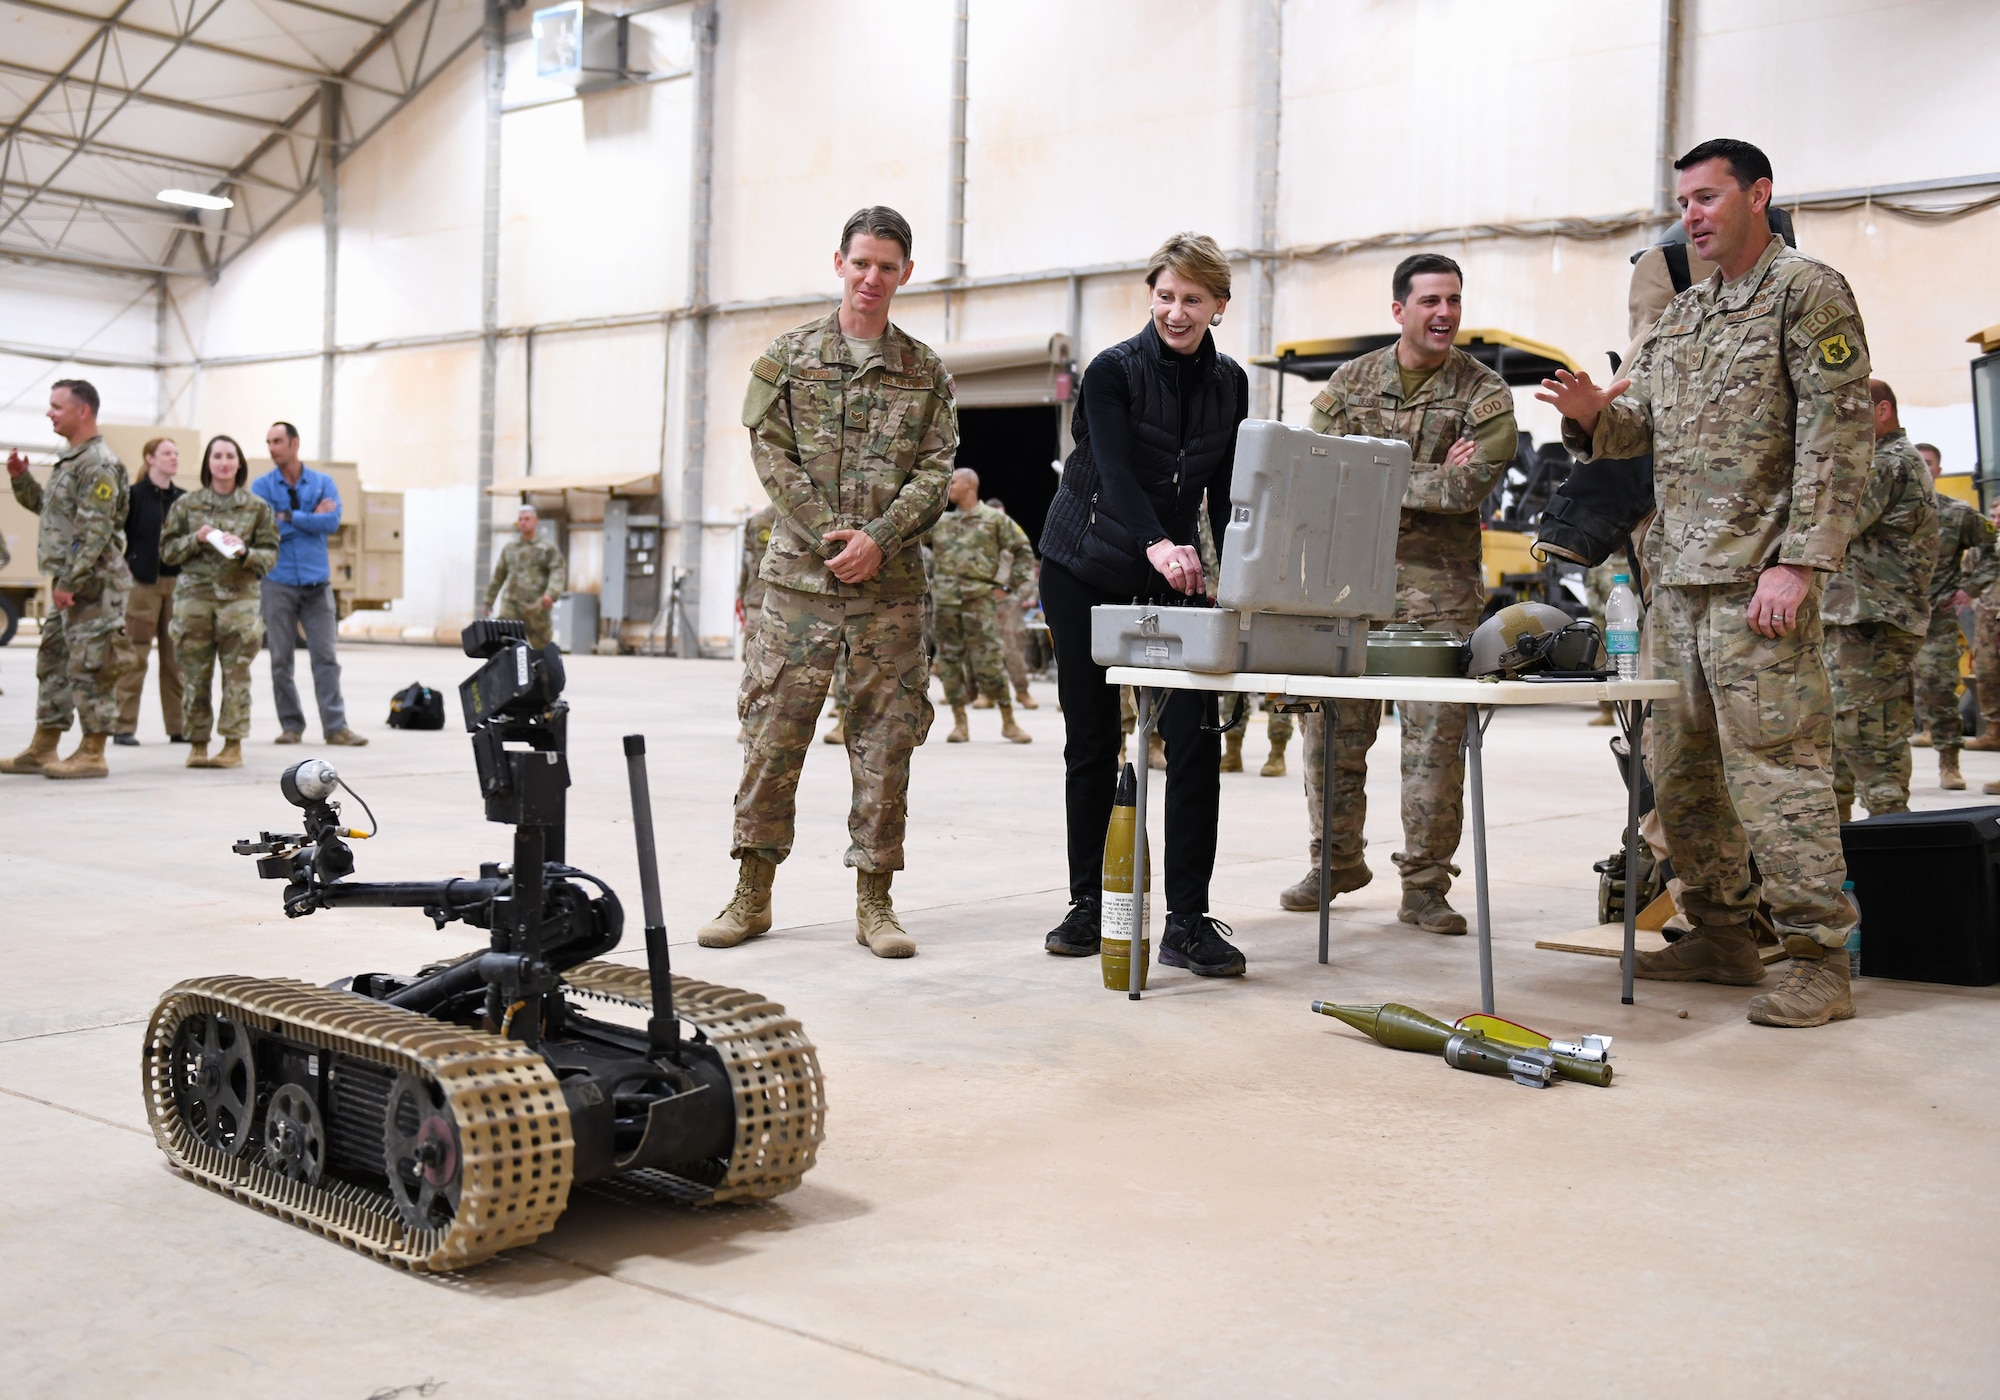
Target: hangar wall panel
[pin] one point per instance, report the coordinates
(63, 310)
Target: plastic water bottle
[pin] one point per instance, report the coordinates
(1621, 627)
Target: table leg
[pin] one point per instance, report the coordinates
(1142, 738)
(1476, 780)
(1329, 720)
(1635, 725)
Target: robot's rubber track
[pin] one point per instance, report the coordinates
(515, 1148)
(773, 1068)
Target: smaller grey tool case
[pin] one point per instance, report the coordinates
(1308, 558)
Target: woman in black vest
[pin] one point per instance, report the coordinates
(1155, 431)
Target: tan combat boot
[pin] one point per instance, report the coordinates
(1921, 739)
(1725, 953)
(1988, 737)
(41, 750)
(86, 762)
(1303, 898)
(982, 702)
(1814, 990)
(231, 755)
(1274, 766)
(1603, 719)
(1026, 701)
(1010, 731)
(1232, 751)
(1949, 778)
(837, 734)
(1427, 909)
(748, 912)
(875, 917)
(198, 754)
(959, 733)
(1156, 753)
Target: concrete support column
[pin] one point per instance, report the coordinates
(1270, 42)
(1666, 145)
(693, 474)
(489, 303)
(329, 222)
(955, 195)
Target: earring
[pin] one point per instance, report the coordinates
(1216, 319)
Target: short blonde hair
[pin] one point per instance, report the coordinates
(1194, 256)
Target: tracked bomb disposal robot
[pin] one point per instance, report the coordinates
(436, 1118)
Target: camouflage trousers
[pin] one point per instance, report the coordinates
(206, 633)
(1986, 655)
(788, 666)
(83, 655)
(1869, 674)
(1014, 643)
(1937, 683)
(1433, 788)
(1743, 763)
(969, 658)
(540, 621)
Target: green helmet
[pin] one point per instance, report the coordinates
(1531, 637)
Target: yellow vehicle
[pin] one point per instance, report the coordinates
(1512, 573)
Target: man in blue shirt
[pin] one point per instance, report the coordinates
(298, 591)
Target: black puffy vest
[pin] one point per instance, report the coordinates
(1081, 532)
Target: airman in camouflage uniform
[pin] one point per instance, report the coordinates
(980, 553)
(1876, 610)
(1751, 393)
(854, 440)
(1459, 422)
(81, 547)
(1959, 528)
(218, 617)
(527, 579)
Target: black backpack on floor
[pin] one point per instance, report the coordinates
(416, 706)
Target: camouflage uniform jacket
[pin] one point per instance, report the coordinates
(81, 545)
(1887, 574)
(841, 445)
(1437, 542)
(756, 539)
(977, 551)
(1752, 397)
(527, 572)
(1959, 528)
(205, 574)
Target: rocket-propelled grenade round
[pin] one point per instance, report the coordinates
(1405, 1028)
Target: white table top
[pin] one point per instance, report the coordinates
(1450, 690)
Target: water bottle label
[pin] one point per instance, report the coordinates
(1115, 921)
(1621, 641)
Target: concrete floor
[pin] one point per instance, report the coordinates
(1029, 1186)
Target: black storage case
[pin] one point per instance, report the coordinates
(1928, 884)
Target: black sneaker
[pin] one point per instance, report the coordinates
(125, 741)
(1076, 936)
(1198, 943)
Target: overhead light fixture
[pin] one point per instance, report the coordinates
(192, 199)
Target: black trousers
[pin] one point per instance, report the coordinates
(1090, 755)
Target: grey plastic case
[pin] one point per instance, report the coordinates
(1312, 525)
(1222, 639)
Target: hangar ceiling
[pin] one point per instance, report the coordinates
(104, 104)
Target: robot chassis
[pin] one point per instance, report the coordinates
(435, 1119)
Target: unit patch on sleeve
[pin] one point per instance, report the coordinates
(767, 369)
(102, 491)
(1492, 408)
(1823, 319)
(1834, 351)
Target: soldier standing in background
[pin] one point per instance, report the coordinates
(852, 431)
(528, 577)
(149, 612)
(1458, 418)
(1751, 393)
(1877, 609)
(81, 547)
(225, 538)
(1013, 613)
(981, 553)
(1959, 528)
